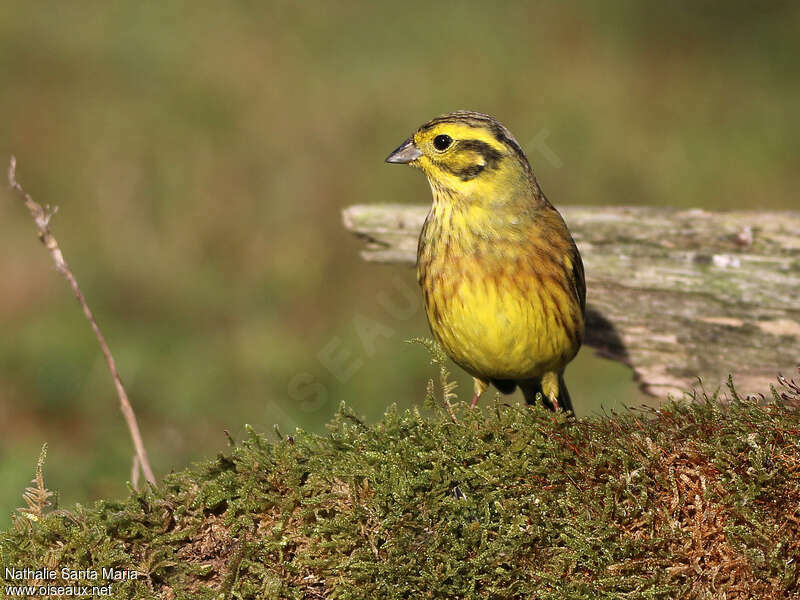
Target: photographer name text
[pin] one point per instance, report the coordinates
(105, 574)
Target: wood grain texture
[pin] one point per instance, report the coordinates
(675, 294)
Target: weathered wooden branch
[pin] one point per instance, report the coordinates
(675, 294)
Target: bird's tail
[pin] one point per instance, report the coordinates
(531, 387)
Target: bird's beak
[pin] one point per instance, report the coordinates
(405, 153)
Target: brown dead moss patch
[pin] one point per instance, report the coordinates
(704, 560)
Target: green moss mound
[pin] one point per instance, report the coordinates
(696, 500)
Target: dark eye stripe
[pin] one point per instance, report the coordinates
(489, 154)
(491, 158)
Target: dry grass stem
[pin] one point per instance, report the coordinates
(41, 216)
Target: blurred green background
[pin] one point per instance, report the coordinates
(200, 155)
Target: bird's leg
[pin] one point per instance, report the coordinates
(480, 387)
(550, 391)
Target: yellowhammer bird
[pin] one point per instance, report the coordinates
(501, 276)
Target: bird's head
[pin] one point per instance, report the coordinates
(466, 153)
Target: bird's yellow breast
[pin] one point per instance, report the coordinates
(495, 305)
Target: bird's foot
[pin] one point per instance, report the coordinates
(480, 386)
(474, 401)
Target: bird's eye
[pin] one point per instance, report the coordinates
(442, 142)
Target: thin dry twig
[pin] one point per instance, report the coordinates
(41, 216)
